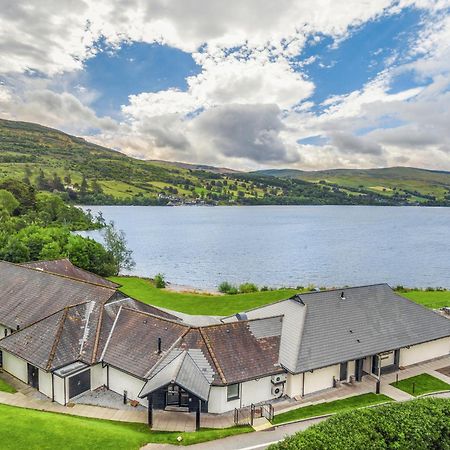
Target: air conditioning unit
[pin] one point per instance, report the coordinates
(277, 390)
(280, 378)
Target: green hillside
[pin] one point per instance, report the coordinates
(417, 185)
(86, 173)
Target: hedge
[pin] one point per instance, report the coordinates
(413, 425)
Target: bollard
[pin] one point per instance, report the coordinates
(124, 397)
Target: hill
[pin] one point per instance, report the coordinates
(418, 185)
(87, 173)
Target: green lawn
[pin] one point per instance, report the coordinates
(29, 429)
(5, 387)
(346, 404)
(220, 305)
(430, 299)
(424, 384)
(142, 289)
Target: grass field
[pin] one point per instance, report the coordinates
(421, 384)
(29, 429)
(5, 387)
(346, 404)
(143, 289)
(430, 299)
(219, 305)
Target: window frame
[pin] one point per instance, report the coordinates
(236, 396)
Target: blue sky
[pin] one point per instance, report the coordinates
(247, 85)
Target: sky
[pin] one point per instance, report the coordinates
(248, 85)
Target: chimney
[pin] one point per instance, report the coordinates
(342, 295)
(159, 346)
(18, 327)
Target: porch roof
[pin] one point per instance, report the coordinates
(183, 371)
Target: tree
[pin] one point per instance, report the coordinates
(116, 245)
(8, 202)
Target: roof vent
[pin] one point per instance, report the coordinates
(342, 295)
(228, 331)
(145, 321)
(241, 316)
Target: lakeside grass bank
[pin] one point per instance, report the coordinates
(220, 305)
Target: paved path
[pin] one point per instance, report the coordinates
(251, 441)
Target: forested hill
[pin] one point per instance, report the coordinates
(85, 173)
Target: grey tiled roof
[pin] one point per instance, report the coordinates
(368, 320)
(57, 340)
(183, 371)
(66, 268)
(28, 295)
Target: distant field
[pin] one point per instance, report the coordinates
(218, 305)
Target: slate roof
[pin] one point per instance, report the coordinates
(369, 320)
(132, 344)
(225, 353)
(66, 268)
(57, 340)
(242, 351)
(322, 328)
(28, 295)
(183, 371)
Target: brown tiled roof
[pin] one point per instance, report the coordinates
(133, 342)
(28, 295)
(240, 353)
(66, 268)
(57, 340)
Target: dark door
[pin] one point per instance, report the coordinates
(343, 371)
(33, 376)
(79, 383)
(359, 369)
(173, 395)
(176, 396)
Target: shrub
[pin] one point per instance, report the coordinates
(246, 288)
(233, 290)
(225, 287)
(160, 281)
(417, 424)
(264, 289)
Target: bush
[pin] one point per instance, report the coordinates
(160, 281)
(225, 287)
(246, 288)
(417, 424)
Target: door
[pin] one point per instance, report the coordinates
(173, 395)
(79, 383)
(343, 371)
(176, 396)
(359, 369)
(33, 376)
(397, 359)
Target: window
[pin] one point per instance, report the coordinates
(232, 392)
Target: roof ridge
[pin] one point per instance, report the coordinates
(213, 356)
(165, 319)
(52, 353)
(35, 269)
(97, 334)
(110, 333)
(167, 352)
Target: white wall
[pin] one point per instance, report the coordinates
(424, 352)
(294, 385)
(350, 369)
(59, 389)
(45, 383)
(254, 391)
(15, 366)
(320, 379)
(98, 376)
(120, 381)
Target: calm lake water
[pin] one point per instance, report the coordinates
(288, 245)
